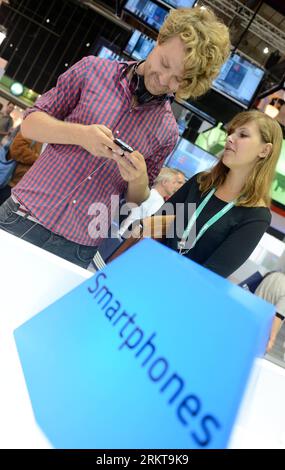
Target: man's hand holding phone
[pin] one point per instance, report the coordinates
(99, 140)
(132, 166)
(125, 147)
(133, 169)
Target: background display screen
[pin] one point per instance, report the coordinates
(239, 80)
(148, 11)
(190, 159)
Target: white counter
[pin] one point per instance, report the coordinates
(31, 279)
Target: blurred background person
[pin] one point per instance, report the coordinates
(24, 152)
(167, 183)
(272, 289)
(181, 179)
(6, 121)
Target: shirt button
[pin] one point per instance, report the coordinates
(74, 201)
(89, 177)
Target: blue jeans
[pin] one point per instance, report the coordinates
(42, 237)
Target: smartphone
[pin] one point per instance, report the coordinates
(123, 145)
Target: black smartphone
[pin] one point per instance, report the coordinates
(123, 145)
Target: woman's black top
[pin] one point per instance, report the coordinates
(228, 243)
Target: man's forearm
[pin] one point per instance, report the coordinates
(138, 191)
(41, 127)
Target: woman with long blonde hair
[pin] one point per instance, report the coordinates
(231, 201)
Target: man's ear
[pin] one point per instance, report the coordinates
(267, 149)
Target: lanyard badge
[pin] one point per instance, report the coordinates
(182, 243)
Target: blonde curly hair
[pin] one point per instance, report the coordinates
(207, 45)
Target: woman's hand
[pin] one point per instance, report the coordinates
(157, 226)
(276, 325)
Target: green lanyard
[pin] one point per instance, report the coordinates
(194, 217)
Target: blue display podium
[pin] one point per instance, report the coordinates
(152, 352)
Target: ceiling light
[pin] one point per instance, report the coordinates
(17, 89)
(271, 111)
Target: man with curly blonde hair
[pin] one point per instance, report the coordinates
(67, 198)
(206, 46)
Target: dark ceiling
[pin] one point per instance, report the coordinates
(278, 5)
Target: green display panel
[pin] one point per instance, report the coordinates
(278, 186)
(213, 140)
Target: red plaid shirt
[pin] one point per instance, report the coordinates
(58, 190)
